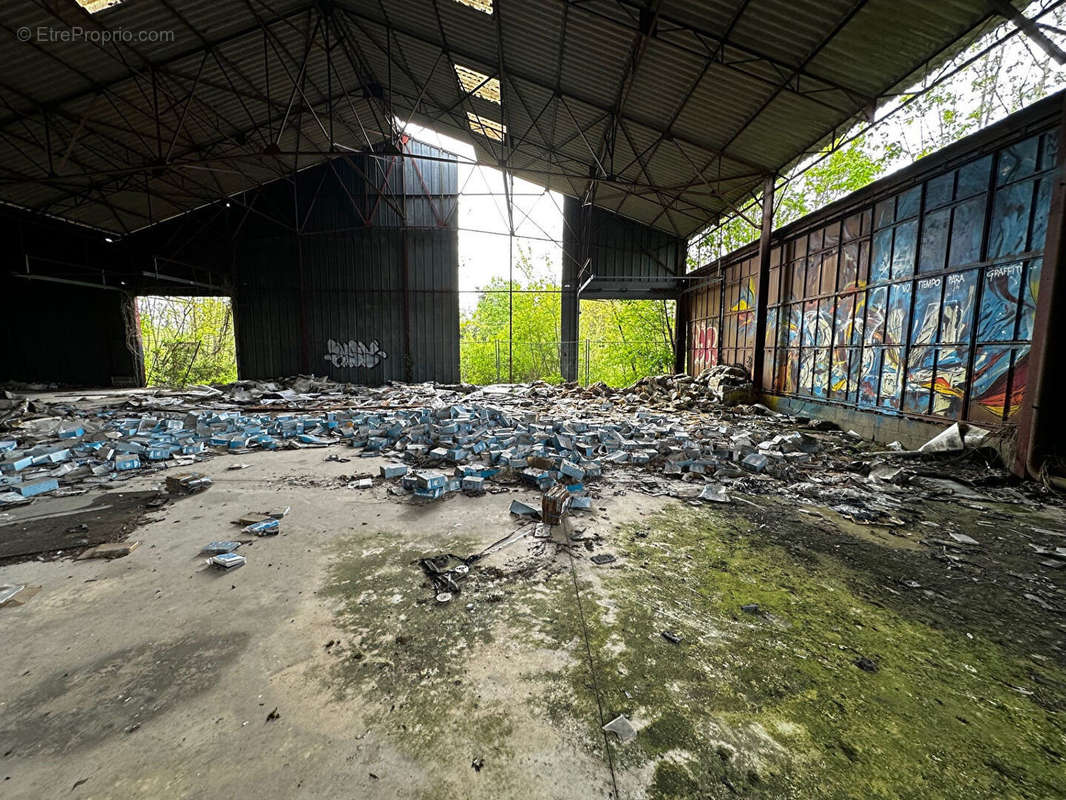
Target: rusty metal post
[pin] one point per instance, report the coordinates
(681, 307)
(681, 323)
(762, 297)
(405, 266)
(1038, 434)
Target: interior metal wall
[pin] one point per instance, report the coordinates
(606, 256)
(623, 258)
(916, 296)
(54, 332)
(351, 270)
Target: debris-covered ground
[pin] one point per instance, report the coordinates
(753, 605)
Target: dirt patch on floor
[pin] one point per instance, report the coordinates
(997, 589)
(109, 517)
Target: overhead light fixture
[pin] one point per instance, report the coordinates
(108, 239)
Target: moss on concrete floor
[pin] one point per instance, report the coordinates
(408, 656)
(771, 704)
(775, 704)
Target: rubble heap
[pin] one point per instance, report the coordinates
(719, 385)
(670, 435)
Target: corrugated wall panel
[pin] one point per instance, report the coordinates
(915, 296)
(330, 299)
(55, 332)
(626, 258)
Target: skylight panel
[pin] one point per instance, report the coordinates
(486, 127)
(484, 6)
(479, 84)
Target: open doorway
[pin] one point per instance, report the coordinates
(622, 341)
(187, 340)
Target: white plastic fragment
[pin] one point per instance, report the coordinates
(715, 493)
(956, 438)
(622, 728)
(962, 538)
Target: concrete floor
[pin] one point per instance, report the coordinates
(152, 676)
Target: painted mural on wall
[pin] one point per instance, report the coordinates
(920, 303)
(744, 308)
(704, 348)
(354, 354)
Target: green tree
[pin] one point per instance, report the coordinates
(187, 340)
(626, 339)
(933, 113)
(532, 302)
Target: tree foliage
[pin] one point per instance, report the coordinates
(619, 340)
(623, 340)
(931, 116)
(187, 340)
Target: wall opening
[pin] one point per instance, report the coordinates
(622, 341)
(187, 340)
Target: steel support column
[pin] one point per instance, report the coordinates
(681, 314)
(1040, 435)
(762, 296)
(574, 256)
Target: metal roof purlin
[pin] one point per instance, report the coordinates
(669, 112)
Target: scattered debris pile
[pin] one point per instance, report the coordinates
(683, 439)
(718, 385)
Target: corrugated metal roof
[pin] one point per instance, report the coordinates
(670, 111)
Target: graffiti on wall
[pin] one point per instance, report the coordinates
(354, 354)
(929, 318)
(704, 347)
(744, 308)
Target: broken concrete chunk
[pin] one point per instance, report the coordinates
(253, 518)
(34, 488)
(520, 509)
(431, 480)
(886, 473)
(266, 527)
(474, 484)
(215, 548)
(227, 561)
(187, 483)
(110, 550)
(756, 462)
